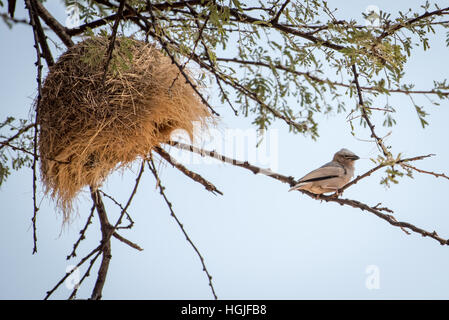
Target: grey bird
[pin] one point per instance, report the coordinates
(331, 176)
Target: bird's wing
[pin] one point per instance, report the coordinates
(328, 171)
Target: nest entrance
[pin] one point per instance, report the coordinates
(91, 127)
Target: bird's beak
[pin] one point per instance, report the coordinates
(354, 157)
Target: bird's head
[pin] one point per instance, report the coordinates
(345, 156)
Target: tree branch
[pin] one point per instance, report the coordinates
(332, 198)
(129, 13)
(82, 233)
(18, 134)
(126, 241)
(61, 281)
(105, 244)
(34, 23)
(192, 175)
(307, 74)
(15, 148)
(382, 165)
(107, 230)
(401, 25)
(46, 53)
(206, 50)
(112, 38)
(277, 16)
(437, 175)
(365, 116)
(243, 164)
(131, 221)
(181, 226)
(167, 51)
(53, 24)
(86, 274)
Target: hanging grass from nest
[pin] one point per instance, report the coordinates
(91, 127)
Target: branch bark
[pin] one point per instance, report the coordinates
(328, 81)
(382, 165)
(192, 175)
(365, 116)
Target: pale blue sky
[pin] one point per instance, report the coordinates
(258, 240)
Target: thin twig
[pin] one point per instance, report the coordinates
(133, 193)
(82, 233)
(238, 163)
(410, 22)
(206, 51)
(200, 34)
(96, 294)
(365, 116)
(382, 208)
(107, 230)
(384, 164)
(131, 221)
(61, 281)
(250, 94)
(308, 75)
(332, 198)
(105, 244)
(7, 17)
(192, 175)
(59, 29)
(86, 274)
(46, 53)
(152, 167)
(126, 241)
(112, 38)
(18, 134)
(34, 24)
(126, 14)
(276, 18)
(37, 156)
(163, 44)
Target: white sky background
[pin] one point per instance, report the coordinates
(258, 240)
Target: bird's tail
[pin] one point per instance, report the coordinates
(296, 187)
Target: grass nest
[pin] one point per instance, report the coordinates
(91, 124)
